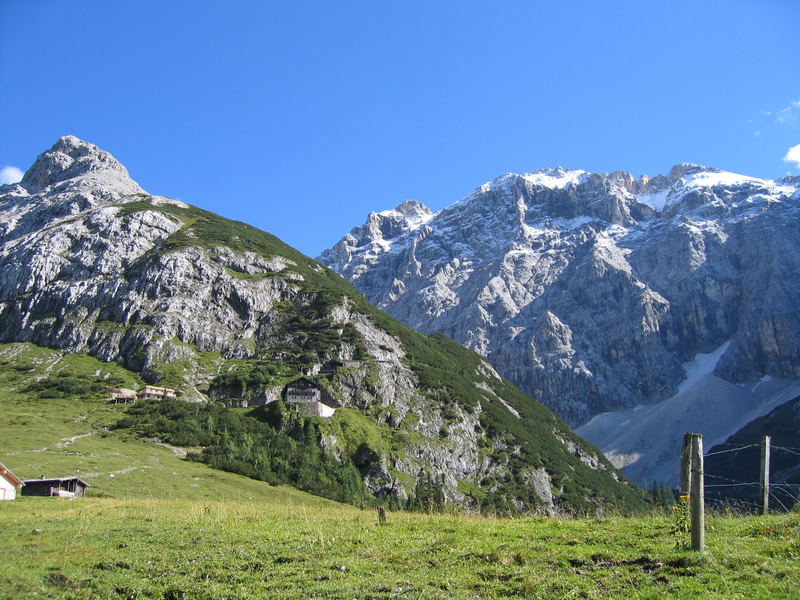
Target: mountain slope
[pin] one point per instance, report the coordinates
(592, 291)
(728, 465)
(589, 291)
(91, 263)
(646, 441)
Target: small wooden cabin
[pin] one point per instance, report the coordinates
(123, 396)
(10, 484)
(63, 487)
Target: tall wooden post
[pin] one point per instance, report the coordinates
(765, 475)
(686, 465)
(696, 499)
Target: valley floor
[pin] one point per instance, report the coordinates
(178, 549)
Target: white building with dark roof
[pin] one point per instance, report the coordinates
(306, 397)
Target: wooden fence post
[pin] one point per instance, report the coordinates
(764, 479)
(686, 466)
(696, 498)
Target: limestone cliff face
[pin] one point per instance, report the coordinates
(589, 291)
(89, 262)
(80, 270)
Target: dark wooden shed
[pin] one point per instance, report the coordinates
(64, 487)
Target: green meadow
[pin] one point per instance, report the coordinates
(300, 548)
(154, 525)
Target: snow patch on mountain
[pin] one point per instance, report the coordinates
(656, 200)
(710, 178)
(556, 179)
(645, 441)
(701, 364)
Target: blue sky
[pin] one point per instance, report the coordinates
(301, 117)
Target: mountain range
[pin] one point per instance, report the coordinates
(636, 308)
(222, 311)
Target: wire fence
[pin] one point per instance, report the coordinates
(789, 492)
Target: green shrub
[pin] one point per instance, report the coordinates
(67, 386)
(270, 443)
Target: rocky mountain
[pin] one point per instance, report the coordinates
(592, 292)
(89, 262)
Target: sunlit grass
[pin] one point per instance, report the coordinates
(38, 433)
(109, 548)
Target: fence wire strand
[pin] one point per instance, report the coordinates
(736, 481)
(790, 491)
(716, 485)
(731, 450)
(789, 450)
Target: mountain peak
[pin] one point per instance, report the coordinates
(683, 169)
(70, 158)
(408, 215)
(413, 208)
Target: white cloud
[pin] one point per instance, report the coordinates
(793, 155)
(785, 115)
(789, 113)
(10, 175)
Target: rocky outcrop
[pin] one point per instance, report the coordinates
(589, 290)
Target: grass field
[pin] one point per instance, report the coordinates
(169, 549)
(156, 526)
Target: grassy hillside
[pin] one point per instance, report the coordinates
(104, 548)
(155, 526)
(57, 422)
(62, 436)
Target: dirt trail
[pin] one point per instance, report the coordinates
(62, 443)
(179, 452)
(69, 441)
